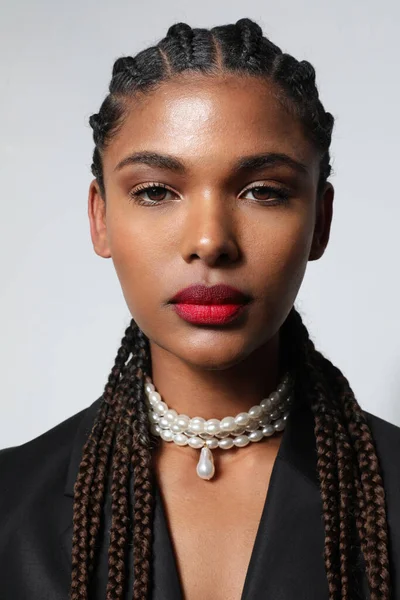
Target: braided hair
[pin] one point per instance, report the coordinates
(352, 491)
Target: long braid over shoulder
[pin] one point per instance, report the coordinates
(352, 491)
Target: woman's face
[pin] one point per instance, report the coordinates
(207, 225)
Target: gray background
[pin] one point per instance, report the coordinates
(62, 310)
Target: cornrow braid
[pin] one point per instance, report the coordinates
(352, 492)
(179, 43)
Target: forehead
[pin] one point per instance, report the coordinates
(204, 119)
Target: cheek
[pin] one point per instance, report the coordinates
(280, 257)
(141, 263)
(130, 249)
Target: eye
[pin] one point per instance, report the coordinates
(264, 193)
(156, 193)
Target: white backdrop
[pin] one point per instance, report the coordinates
(62, 311)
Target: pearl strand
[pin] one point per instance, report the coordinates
(262, 420)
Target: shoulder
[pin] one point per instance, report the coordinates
(386, 436)
(34, 468)
(36, 509)
(385, 433)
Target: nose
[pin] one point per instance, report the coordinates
(209, 233)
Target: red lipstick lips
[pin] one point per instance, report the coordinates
(214, 305)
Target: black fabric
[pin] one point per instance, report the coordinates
(36, 507)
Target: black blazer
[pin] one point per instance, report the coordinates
(37, 480)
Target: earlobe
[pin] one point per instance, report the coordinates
(317, 248)
(97, 220)
(323, 221)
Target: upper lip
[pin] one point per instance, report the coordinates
(216, 294)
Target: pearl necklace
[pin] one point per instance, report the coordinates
(262, 420)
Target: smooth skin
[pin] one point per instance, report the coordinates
(209, 227)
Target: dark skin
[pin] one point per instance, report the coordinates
(210, 227)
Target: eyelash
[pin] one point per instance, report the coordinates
(135, 195)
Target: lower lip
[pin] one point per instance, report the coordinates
(209, 314)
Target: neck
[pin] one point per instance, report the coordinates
(216, 393)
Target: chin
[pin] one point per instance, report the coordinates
(213, 351)
(214, 363)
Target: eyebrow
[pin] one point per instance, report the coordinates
(245, 163)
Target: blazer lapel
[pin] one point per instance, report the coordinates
(166, 584)
(287, 560)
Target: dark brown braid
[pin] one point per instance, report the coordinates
(89, 486)
(349, 462)
(352, 492)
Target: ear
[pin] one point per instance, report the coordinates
(97, 220)
(324, 210)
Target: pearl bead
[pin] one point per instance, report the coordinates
(255, 436)
(164, 423)
(283, 388)
(183, 421)
(226, 443)
(154, 398)
(197, 424)
(175, 427)
(154, 417)
(266, 404)
(149, 387)
(156, 429)
(161, 408)
(252, 426)
(180, 439)
(242, 418)
(241, 440)
(268, 430)
(166, 435)
(212, 426)
(255, 412)
(171, 415)
(265, 420)
(279, 425)
(275, 398)
(196, 442)
(275, 414)
(228, 424)
(239, 430)
(212, 444)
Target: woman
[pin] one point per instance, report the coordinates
(227, 458)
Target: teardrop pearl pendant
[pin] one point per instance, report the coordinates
(205, 467)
